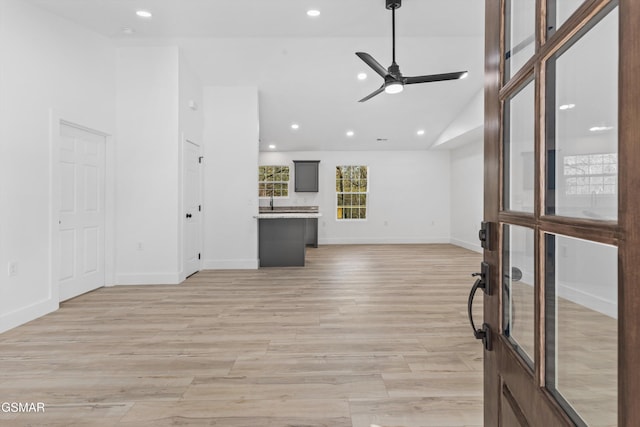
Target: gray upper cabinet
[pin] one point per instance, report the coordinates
(306, 175)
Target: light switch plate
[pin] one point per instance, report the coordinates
(12, 269)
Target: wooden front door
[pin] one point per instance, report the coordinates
(562, 200)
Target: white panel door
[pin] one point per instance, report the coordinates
(81, 218)
(192, 207)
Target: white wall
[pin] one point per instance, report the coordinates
(46, 63)
(148, 175)
(408, 195)
(467, 194)
(190, 89)
(468, 125)
(230, 177)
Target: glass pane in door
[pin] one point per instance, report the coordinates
(558, 11)
(582, 119)
(519, 31)
(519, 119)
(581, 287)
(518, 289)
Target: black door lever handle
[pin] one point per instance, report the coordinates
(483, 333)
(479, 284)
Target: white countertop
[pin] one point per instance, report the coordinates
(287, 215)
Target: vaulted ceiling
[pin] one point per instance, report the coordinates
(305, 68)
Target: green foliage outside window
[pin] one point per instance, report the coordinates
(352, 187)
(273, 181)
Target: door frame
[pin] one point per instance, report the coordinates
(625, 234)
(56, 120)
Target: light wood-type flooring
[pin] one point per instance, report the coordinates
(361, 336)
(586, 356)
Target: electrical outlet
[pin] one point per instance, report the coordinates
(12, 269)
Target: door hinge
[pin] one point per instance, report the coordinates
(485, 235)
(198, 256)
(200, 159)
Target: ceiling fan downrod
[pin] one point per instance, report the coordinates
(393, 5)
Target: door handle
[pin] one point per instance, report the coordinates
(481, 282)
(189, 215)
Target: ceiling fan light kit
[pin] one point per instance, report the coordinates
(393, 87)
(394, 81)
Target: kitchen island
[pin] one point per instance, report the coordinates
(283, 235)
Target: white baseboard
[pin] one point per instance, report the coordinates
(148, 279)
(27, 314)
(230, 264)
(594, 302)
(471, 246)
(381, 240)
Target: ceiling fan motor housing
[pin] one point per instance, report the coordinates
(394, 71)
(393, 4)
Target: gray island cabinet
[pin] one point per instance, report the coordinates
(283, 237)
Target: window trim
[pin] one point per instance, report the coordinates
(366, 193)
(288, 182)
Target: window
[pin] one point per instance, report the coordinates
(591, 174)
(352, 187)
(273, 181)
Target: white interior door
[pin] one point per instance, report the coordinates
(192, 207)
(82, 213)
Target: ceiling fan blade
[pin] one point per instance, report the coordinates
(371, 95)
(368, 59)
(433, 78)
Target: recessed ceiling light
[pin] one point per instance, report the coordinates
(271, 146)
(465, 75)
(420, 132)
(350, 133)
(144, 13)
(313, 13)
(566, 106)
(362, 76)
(600, 128)
(128, 30)
(295, 126)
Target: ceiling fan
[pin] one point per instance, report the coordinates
(394, 81)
